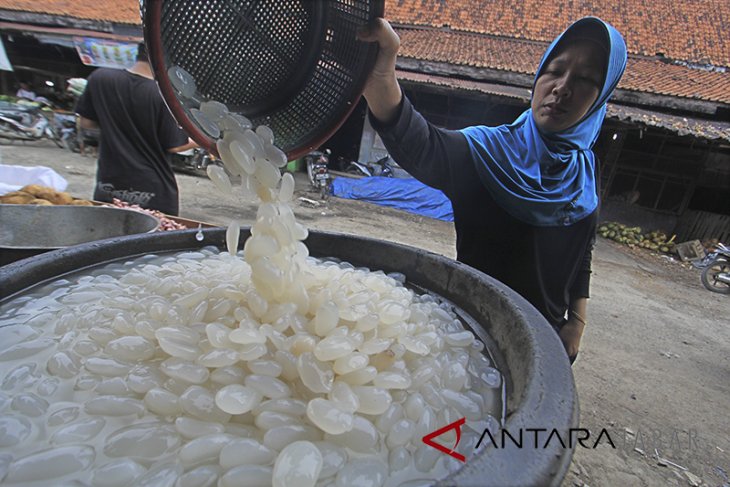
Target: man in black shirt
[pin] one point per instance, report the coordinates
(138, 133)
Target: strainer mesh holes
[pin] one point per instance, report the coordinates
(292, 65)
(331, 85)
(239, 52)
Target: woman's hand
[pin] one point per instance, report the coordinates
(570, 335)
(382, 90)
(380, 31)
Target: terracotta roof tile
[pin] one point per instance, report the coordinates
(693, 30)
(470, 49)
(120, 11)
(646, 75)
(657, 77)
(681, 125)
(689, 30)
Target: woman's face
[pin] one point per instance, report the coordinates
(568, 86)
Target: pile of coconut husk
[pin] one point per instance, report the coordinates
(634, 237)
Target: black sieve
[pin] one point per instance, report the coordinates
(293, 65)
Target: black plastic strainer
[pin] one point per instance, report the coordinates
(293, 65)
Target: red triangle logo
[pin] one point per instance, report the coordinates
(428, 439)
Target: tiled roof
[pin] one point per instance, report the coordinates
(694, 30)
(706, 129)
(657, 77)
(479, 51)
(119, 11)
(689, 30)
(470, 49)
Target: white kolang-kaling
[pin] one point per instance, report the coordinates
(253, 367)
(195, 358)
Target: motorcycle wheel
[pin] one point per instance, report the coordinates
(7, 136)
(324, 191)
(71, 143)
(55, 137)
(310, 175)
(710, 273)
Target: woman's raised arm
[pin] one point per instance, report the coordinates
(382, 90)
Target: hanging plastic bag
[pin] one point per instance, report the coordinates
(12, 178)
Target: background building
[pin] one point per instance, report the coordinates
(665, 146)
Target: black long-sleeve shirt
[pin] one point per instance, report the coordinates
(549, 266)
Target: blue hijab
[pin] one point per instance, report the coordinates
(548, 179)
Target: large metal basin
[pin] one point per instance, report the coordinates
(28, 230)
(540, 392)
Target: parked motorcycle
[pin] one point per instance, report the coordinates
(318, 172)
(69, 134)
(192, 161)
(27, 123)
(716, 270)
(382, 167)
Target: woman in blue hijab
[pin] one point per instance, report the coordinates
(525, 194)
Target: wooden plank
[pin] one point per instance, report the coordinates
(703, 225)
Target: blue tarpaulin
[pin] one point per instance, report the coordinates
(405, 194)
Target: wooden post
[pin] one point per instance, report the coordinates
(612, 155)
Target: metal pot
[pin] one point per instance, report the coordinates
(29, 230)
(540, 392)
